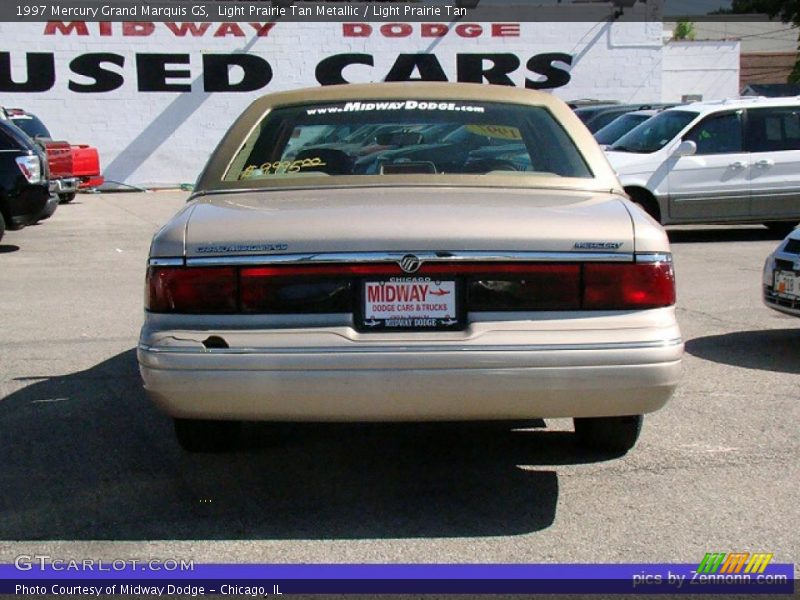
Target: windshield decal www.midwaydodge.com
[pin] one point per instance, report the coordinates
(395, 105)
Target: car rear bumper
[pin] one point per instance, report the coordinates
(64, 185)
(50, 207)
(24, 207)
(782, 304)
(411, 382)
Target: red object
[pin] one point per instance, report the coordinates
(71, 166)
(74, 160)
(59, 159)
(195, 290)
(85, 161)
(628, 285)
(92, 182)
(546, 286)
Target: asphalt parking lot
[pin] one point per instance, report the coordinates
(91, 469)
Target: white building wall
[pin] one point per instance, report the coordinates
(709, 69)
(165, 137)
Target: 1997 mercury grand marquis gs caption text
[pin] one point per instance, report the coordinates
(409, 252)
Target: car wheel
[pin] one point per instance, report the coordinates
(781, 228)
(613, 434)
(66, 198)
(196, 435)
(2, 226)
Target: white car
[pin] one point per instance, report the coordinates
(731, 161)
(781, 279)
(439, 282)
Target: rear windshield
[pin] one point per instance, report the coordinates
(407, 137)
(31, 125)
(17, 135)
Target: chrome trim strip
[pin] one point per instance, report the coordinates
(372, 257)
(474, 182)
(165, 262)
(768, 193)
(439, 348)
(653, 257)
(710, 196)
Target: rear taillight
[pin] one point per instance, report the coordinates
(31, 168)
(628, 286)
(334, 288)
(192, 290)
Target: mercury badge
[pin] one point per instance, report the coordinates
(597, 245)
(238, 248)
(410, 263)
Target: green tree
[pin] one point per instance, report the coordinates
(787, 11)
(684, 30)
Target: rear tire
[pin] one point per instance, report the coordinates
(610, 434)
(2, 226)
(195, 435)
(781, 228)
(66, 198)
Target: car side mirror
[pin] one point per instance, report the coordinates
(685, 148)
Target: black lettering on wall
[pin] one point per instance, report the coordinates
(41, 69)
(543, 65)
(216, 73)
(470, 68)
(153, 73)
(330, 70)
(91, 65)
(427, 65)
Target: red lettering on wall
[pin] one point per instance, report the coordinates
(229, 29)
(181, 29)
(262, 29)
(469, 30)
(434, 30)
(505, 29)
(137, 28)
(394, 30)
(356, 30)
(79, 27)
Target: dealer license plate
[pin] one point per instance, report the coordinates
(410, 303)
(787, 284)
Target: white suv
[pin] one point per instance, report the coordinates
(730, 161)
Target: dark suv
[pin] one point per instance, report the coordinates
(24, 188)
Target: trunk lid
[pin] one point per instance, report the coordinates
(405, 219)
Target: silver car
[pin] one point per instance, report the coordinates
(493, 273)
(781, 276)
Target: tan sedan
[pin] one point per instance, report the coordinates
(409, 252)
